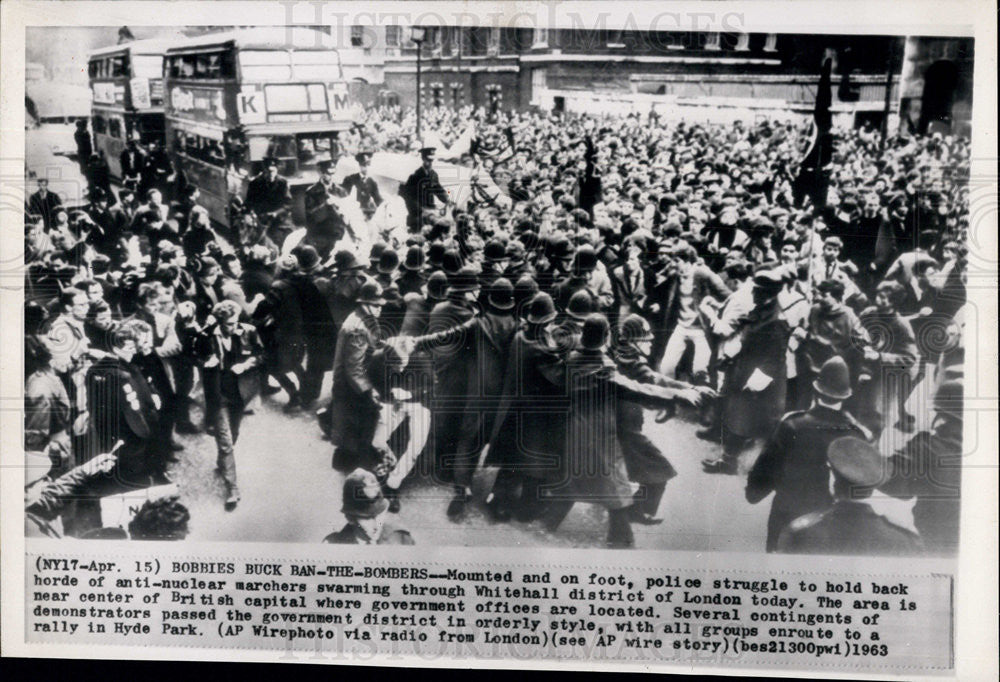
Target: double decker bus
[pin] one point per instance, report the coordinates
(126, 87)
(236, 98)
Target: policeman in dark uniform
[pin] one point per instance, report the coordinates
(123, 407)
(850, 525)
(421, 188)
(367, 189)
(793, 460)
(321, 219)
(365, 508)
(268, 197)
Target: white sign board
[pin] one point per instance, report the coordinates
(140, 93)
(250, 105)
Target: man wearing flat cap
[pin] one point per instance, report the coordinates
(365, 508)
(850, 525)
(361, 182)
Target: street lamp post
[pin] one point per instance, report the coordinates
(417, 34)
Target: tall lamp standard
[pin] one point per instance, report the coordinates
(417, 35)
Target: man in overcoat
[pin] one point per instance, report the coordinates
(754, 386)
(356, 402)
(482, 343)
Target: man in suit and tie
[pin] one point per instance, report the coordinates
(366, 187)
(629, 283)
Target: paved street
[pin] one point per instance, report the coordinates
(291, 494)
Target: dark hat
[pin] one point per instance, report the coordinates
(595, 332)
(452, 261)
(376, 252)
(530, 240)
(414, 259)
(388, 262)
(435, 254)
(834, 286)
(856, 461)
(306, 257)
(580, 305)
(494, 251)
(371, 293)
(466, 279)
(562, 248)
(97, 194)
(326, 166)
(363, 157)
(834, 380)
(437, 286)
(346, 260)
(634, 328)
(541, 309)
(501, 294)
(585, 260)
(524, 289)
(271, 161)
(769, 280)
(363, 496)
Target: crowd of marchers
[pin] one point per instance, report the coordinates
(600, 267)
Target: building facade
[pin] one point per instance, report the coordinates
(695, 75)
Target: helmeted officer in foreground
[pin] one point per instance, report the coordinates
(793, 460)
(850, 526)
(365, 508)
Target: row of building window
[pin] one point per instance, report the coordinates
(447, 40)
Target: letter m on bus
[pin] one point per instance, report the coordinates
(340, 100)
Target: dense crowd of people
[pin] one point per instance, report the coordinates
(600, 266)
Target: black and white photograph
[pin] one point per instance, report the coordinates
(559, 287)
(505, 285)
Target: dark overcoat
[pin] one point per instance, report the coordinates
(793, 464)
(765, 335)
(530, 431)
(593, 469)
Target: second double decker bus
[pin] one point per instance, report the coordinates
(236, 98)
(126, 86)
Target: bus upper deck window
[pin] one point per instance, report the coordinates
(119, 66)
(115, 128)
